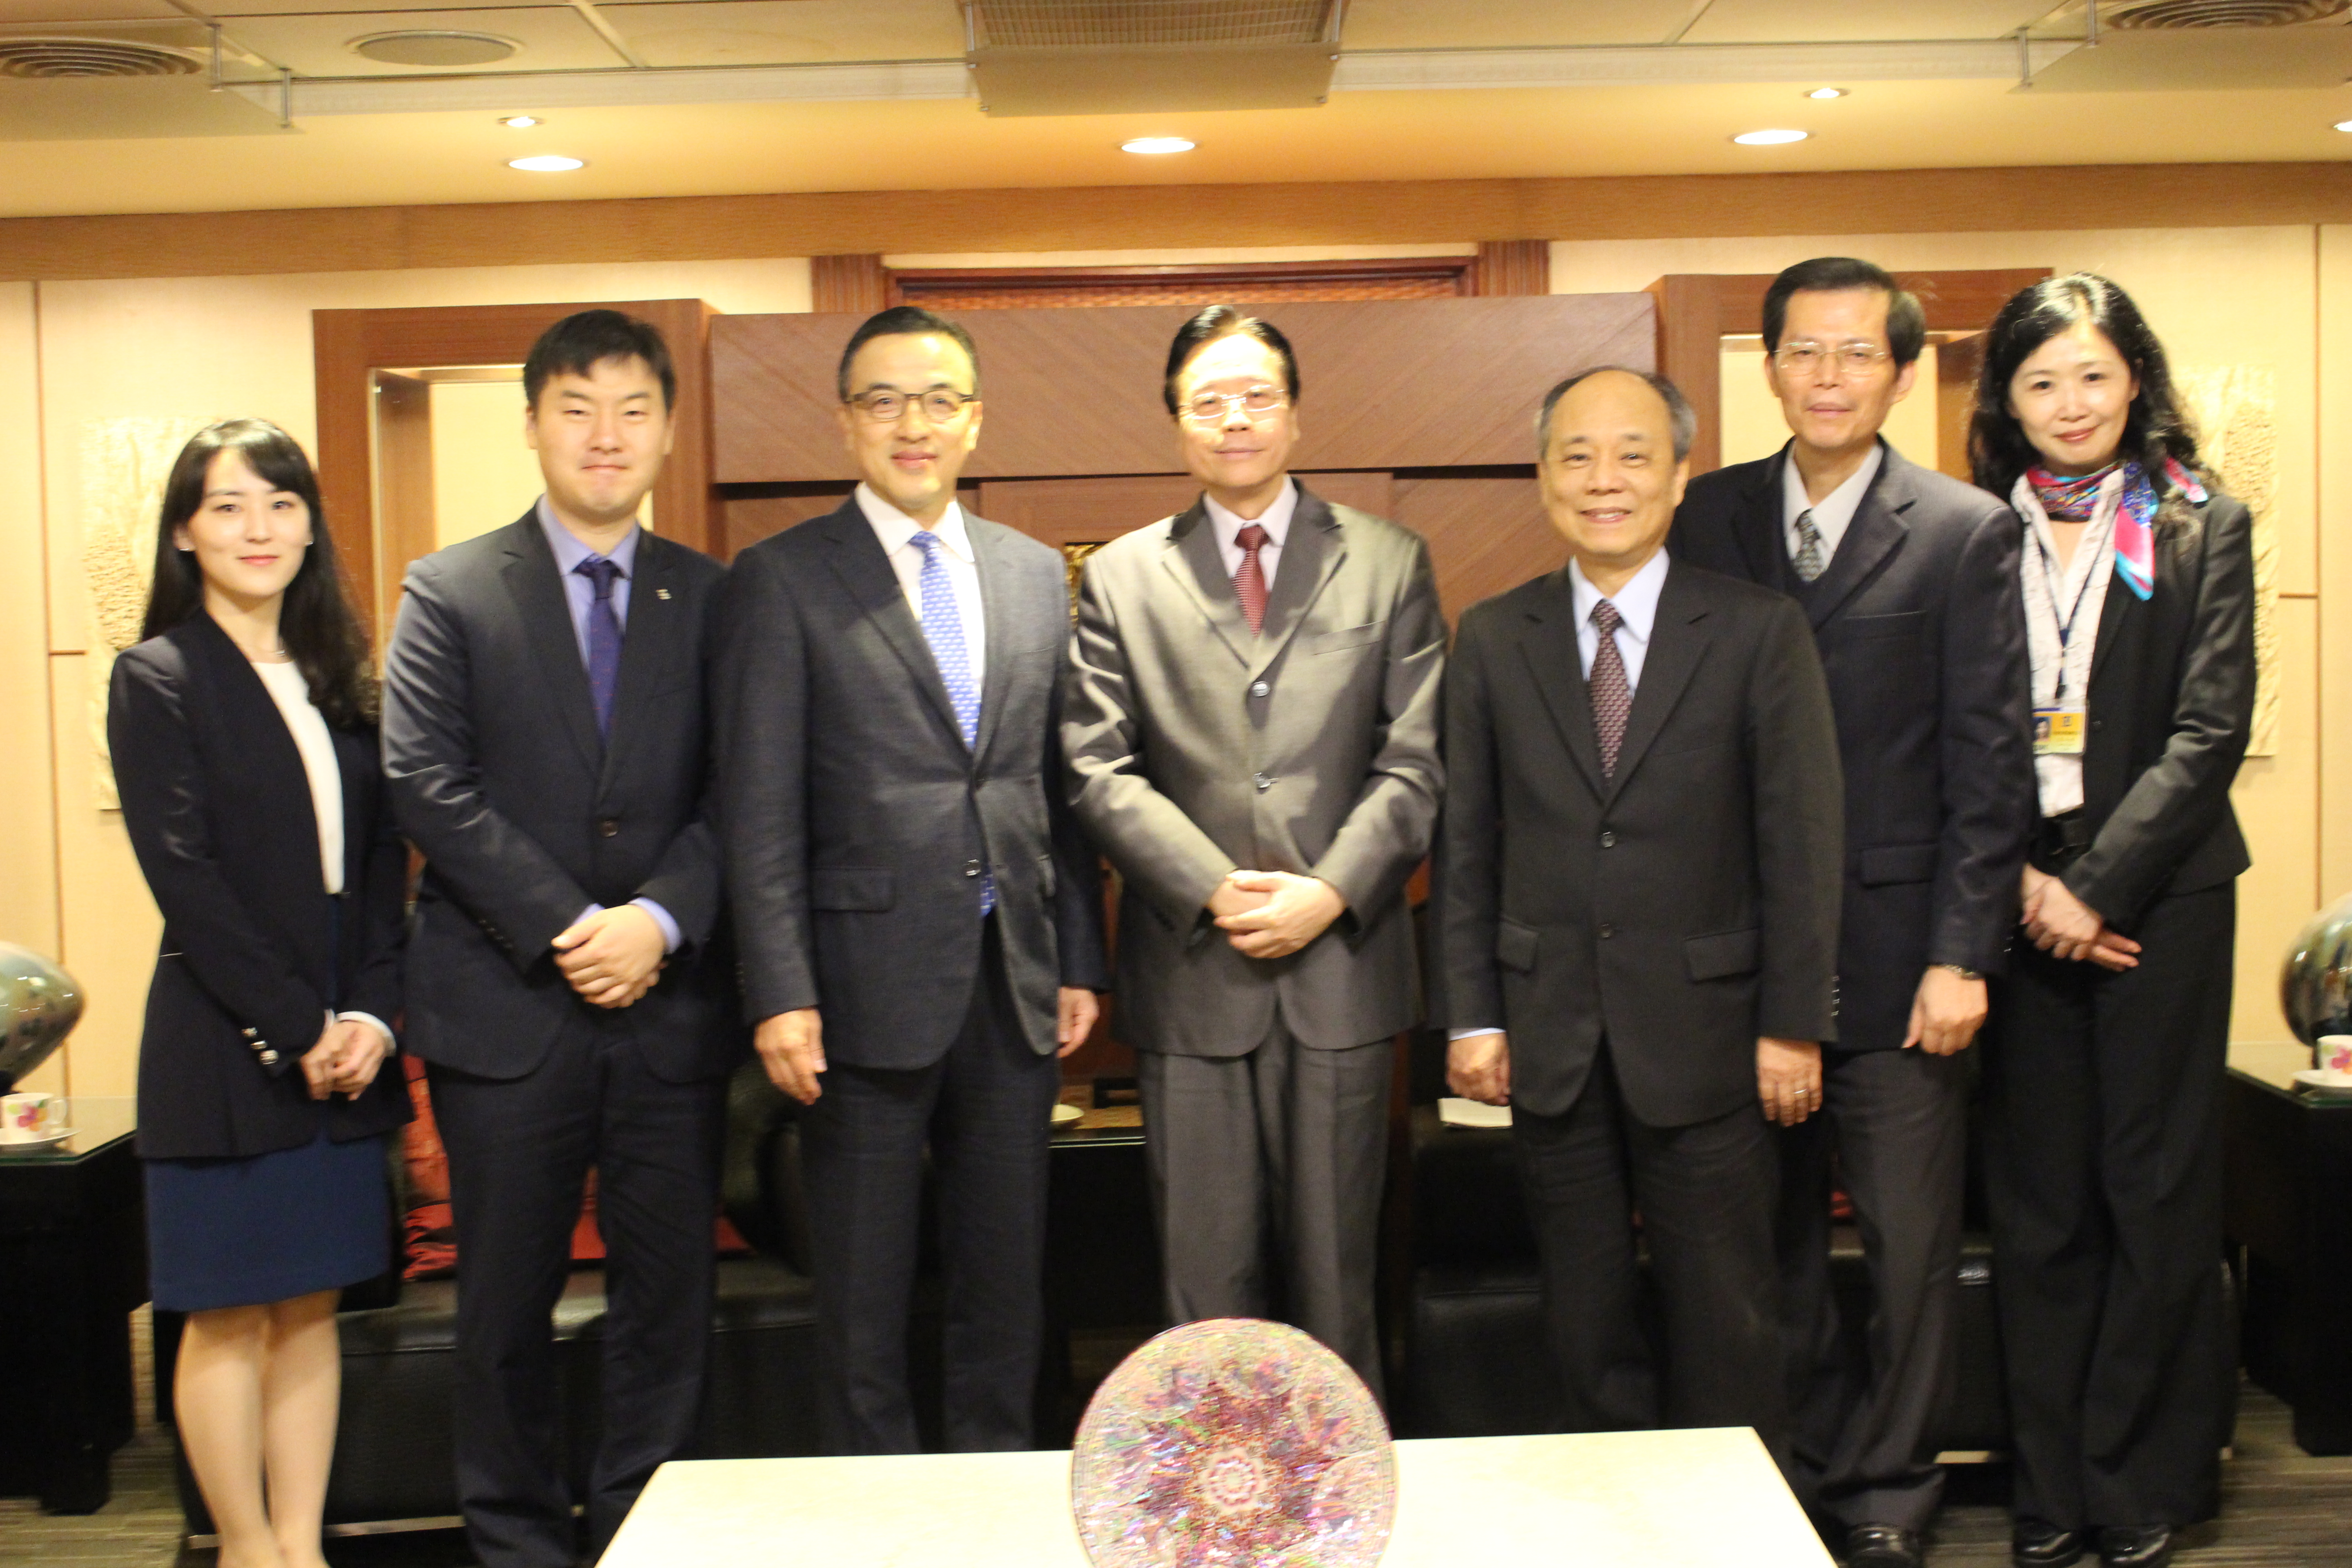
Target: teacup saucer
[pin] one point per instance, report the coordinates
(41, 1142)
(2325, 1083)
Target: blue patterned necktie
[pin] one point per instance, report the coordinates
(603, 638)
(944, 630)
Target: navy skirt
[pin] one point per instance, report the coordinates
(240, 1232)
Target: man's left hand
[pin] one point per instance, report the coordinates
(612, 956)
(1946, 1012)
(1076, 1009)
(1297, 909)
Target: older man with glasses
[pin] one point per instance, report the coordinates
(1252, 722)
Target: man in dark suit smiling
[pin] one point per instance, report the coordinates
(1638, 901)
(544, 744)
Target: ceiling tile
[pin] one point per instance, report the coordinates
(552, 38)
(1826, 21)
(13, 12)
(1511, 24)
(770, 32)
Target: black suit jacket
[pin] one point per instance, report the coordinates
(526, 815)
(2170, 707)
(1681, 908)
(220, 814)
(1922, 636)
(854, 819)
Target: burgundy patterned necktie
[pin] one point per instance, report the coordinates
(1250, 581)
(1612, 697)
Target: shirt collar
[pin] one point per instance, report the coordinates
(1835, 510)
(1636, 602)
(896, 530)
(570, 552)
(1276, 520)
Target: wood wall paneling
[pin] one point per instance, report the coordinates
(751, 512)
(405, 519)
(1194, 284)
(852, 285)
(1509, 266)
(1486, 531)
(1414, 383)
(1128, 217)
(1062, 512)
(1958, 362)
(350, 346)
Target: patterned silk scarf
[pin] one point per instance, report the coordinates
(2076, 500)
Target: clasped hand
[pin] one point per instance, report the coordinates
(612, 957)
(1273, 914)
(2063, 926)
(345, 1059)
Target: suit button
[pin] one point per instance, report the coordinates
(1608, 839)
(971, 868)
(270, 1058)
(253, 1033)
(1607, 930)
(1263, 783)
(608, 826)
(1260, 689)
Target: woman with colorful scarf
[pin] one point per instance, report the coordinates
(2104, 1058)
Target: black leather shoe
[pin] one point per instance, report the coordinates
(1881, 1546)
(2136, 1546)
(2034, 1544)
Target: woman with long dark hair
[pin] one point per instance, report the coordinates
(2104, 1052)
(244, 737)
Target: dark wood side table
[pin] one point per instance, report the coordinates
(2289, 1228)
(73, 1266)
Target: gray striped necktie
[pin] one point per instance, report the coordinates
(1809, 561)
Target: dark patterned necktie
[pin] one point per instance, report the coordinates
(1809, 561)
(1250, 581)
(603, 638)
(1612, 696)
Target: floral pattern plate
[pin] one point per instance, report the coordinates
(1232, 1443)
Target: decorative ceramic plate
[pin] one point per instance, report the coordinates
(1232, 1443)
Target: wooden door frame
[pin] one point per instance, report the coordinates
(350, 346)
(1698, 311)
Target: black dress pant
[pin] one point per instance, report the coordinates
(2103, 1163)
(986, 1109)
(520, 1152)
(1894, 1125)
(1706, 1194)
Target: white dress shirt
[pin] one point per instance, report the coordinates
(1275, 521)
(1833, 513)
(896, 532)
(2057, 652)
(1637, 613)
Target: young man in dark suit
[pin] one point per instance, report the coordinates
(920, 923)
(1909, 581)
(1637, 902)
(545, 745)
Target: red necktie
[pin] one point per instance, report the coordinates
(1612, 695)
(1250, 581)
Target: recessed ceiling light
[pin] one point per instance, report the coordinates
(521, 121)
(1827, 92)
(546, 163)
(1154, 145)
(1770, 138)
(439, 49)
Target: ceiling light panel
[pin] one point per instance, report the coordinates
(697, 33)
(1812, 21)
(1509, 24)
(551, 39)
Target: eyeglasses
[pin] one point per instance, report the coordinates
(1214, 407)
(1851, 359)
(889, 407)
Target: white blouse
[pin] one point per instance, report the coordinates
(317, 744)
(2061, 620)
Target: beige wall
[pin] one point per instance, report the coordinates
(483, 474)
(74, 352)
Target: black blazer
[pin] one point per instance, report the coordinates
(526, 815)
(220, 814)
(1922, 637)
(2170, 707)
(856, 820)
(1682, 908)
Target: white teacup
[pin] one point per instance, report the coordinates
(30, 1117)
(2334, 1052)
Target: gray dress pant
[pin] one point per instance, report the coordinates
(1268, 1166)
(1863, 1407)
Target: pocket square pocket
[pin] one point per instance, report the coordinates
(1724, 955)
(1350, 637)
(1514, 946)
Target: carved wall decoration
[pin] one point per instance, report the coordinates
(2235, 411)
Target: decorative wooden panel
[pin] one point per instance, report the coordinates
(1486, 531)
(1418, 384)
(1958, 360)
(1513, 266)
(1062, 512)
(751, 512)
(852, 285)
(1269, 282)
(404, 454)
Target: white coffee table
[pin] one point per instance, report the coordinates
(1695, 1499)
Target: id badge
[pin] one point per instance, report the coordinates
(2058, 731)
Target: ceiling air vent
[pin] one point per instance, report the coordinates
(2174, 13)
(51, 58)
(1103, 56)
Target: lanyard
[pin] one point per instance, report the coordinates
(2051, 584)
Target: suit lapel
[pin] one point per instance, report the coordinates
(1311, 554)
(546, 615)
(2119, 617)
(240, 685)
(1877, 531)
(645, 644)
(996, 615)
(865, 571)
(1677, 642)
(1756, 527)
(1548, 643)
(1192, 558)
